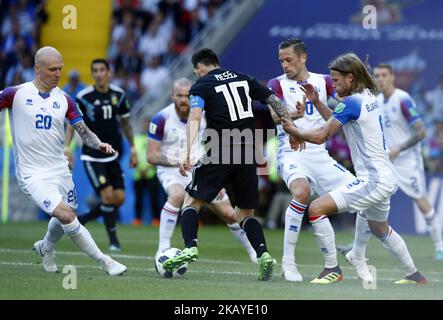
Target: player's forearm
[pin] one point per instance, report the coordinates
(316, 136)
(416, 138)
(278, 106)
(324, 111)
(88, 137)
(129, 132)
(192, 130)
(277, 119)
(69, 135)
(161, 160)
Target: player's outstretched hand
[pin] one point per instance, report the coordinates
(185, 166)
(133, 158)
(70, 158)
(310, 92)
(300, 107)
(289, 127)
(106, 148)
(296, 144)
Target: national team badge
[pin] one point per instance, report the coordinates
(47, 203)
(102, 179)
(114, 99)
(340, 107)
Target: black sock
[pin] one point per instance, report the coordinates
(93, 214)
(109, 217)
(189, 222)
(254, 232)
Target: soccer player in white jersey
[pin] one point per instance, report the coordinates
(167, 141)
(404, 129)
(38, 110)
(359, 116)
(311, 168)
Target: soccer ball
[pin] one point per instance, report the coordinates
(165, 255)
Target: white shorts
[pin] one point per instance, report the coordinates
(322, 171)
(365, 195)
(411, 176)
(47, 193)
(170, 175)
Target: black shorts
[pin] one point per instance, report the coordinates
(209, 179)
(104, 174)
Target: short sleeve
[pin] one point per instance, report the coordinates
(257, 91)
(73, 114)
(275, 86)
(7, 97)
(347, 110)
(157, 127)
(409, 110)
(123, 106)
(197, 89)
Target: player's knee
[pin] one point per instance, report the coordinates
(378, 229)
(315, 209)
(177, 198)
(228, 214)
(107, 196)
(301, 194)
(119, 199)
(64, 215)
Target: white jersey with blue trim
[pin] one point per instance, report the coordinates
(289, 91)
(362, 124)
(37, 129)
(167, 128)
(399, 114)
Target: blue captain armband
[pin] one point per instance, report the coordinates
(197, 102)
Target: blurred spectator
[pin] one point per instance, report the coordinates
(154, 77)
(128, 58)
(25, 67)
(434, 98)
(434, 160)
(154, 41)
(129, 84)
(74, 85)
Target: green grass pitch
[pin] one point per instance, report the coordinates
(223, 270)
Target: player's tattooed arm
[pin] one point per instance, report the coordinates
(129, 133)
(418, 135)
(90, 139)
(278, 107)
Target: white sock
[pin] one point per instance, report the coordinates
(168, 220)
(434, 228)
(83, 239)
(54, 233)
(326, 239)
(396, 246)
(240, 235)
(362, 235)
(293, 220)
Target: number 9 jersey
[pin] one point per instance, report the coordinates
(37, 129)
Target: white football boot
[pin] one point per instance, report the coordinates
(290, 272)
(112, 267)
(360, 266)
(48, 257)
